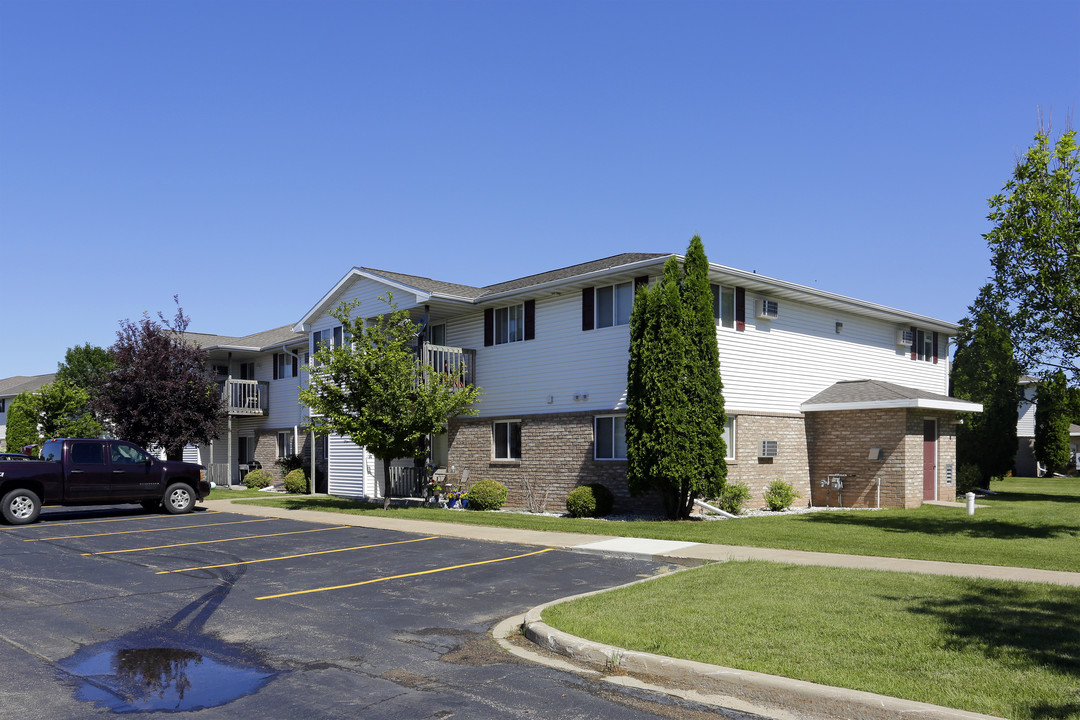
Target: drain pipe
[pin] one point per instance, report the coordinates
(706, 506)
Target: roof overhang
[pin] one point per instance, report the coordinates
(948, 405)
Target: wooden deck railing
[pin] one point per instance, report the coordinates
(456, 362)
(246, 397)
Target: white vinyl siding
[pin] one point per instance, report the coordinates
(352, 468)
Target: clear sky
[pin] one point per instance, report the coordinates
(245, 155)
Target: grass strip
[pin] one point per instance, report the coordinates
(1007, 649)
(1030, 523)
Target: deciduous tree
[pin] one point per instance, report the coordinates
(1052, 413)
(57, 409)
(160, 392)
(1035, 245)
(374, 390)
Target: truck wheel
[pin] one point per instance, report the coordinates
(179, 498)
(21, 507)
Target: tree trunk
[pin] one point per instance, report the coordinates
(174, 453)
(387, 489)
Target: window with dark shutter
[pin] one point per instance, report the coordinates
(489, 327)
(530, 320)
(587, 308)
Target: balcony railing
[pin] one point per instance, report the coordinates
(246, 397)
(459, 363)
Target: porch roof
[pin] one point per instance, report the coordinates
(878, 395)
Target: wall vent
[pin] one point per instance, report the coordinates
(768, 449)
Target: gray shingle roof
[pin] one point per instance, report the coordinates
(260, 340)
(858, 391)
(12, 386)
(428, 285)
(608, 263)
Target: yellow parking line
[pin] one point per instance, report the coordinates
(132, 532)
(208, 542)
(398, 577)
(290, 557)
(50, 525)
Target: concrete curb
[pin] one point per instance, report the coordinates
(797, 696)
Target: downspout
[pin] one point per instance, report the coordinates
(228, 396)
(706, 506)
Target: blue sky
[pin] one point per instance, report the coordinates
(245, 155)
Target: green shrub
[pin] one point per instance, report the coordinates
(733, 497)
(296, 482)
(257, 479)
(967, 479)
(592, 500)
(289, 463)
(486, 495)
(779, 495)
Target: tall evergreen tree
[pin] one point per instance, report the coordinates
(675, 412)
(1052, 412)
(985, 371)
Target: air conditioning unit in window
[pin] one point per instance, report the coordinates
(768, 309)
(904, 337)
(768, 449)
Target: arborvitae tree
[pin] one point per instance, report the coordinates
(675, 412)
(160, 393)
(373, 389)
(22, 422)
(1052, 412)
(985, 371)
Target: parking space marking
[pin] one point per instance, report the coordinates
(132, 532)
(307, 554)
(405, 575)
(208, 542)
(53, 523)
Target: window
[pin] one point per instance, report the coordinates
(729, 438)
(331, 338)
(247, 371)
(3, 404)
(723, 303)
(437, 334)
(609, 437)
(924, 345)
(285, 365)
(509, 324)
(124, 454)
(88, 453)
(284, 444)
(506, 439)
(613, 304)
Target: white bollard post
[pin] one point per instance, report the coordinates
(970, 503)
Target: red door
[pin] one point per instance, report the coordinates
(929, 460)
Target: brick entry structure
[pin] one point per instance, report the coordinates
(878, 435)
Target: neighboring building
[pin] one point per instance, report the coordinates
(9, 389)
(815, 384)
(259, 376)
(1025, 464)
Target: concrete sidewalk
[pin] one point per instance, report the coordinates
(795, 698)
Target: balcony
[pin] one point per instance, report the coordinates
(245, 397)
(459, 363)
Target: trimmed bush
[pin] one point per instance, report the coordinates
(592, 500)
(296, 482)
(257, 479)
(289, 463)
(733, 497)
(779, 495)
(486, 495)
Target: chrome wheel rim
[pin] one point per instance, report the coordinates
(22, 507)
(180, 499)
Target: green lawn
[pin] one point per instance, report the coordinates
(1030, 523)
(1007, 649)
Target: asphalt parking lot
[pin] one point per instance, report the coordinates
(221, 615)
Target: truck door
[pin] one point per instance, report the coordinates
(133, 478)
(88, 474)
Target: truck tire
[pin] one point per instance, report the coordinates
(21, 507)
(179, 498)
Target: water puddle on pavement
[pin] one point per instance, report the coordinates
(133, 679)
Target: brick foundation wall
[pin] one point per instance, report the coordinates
(791, 463)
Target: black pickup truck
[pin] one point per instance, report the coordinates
(74, 471)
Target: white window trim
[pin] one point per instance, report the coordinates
(508, 458)
(519, 310)
(732, 441)
(614, 287)
(614, 457)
